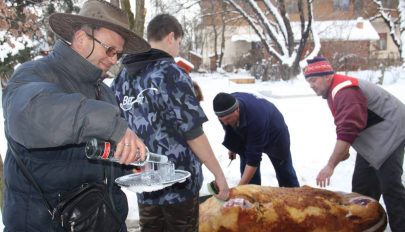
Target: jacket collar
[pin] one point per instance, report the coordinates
(242, 115)
(79, 68)
(137, 62)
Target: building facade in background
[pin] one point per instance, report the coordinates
(352, 35)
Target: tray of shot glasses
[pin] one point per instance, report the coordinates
(153, 177)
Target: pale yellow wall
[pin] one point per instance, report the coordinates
(392, 50)
(233, 50)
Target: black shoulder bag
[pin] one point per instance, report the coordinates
(84, 208)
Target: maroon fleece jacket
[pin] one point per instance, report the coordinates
(350, 107)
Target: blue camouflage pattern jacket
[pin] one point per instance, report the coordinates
(157, 99)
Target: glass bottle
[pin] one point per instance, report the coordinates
(104, 150)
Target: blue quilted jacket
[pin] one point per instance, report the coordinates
(50, 111)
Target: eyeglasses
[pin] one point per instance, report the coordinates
(110, 51)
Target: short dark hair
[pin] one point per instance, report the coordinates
(162, 25)
(198, 93)
(85, 27)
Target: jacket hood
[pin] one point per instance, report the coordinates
(136, 62)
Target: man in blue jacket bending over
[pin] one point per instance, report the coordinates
(254, 126)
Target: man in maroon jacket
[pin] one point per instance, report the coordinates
(372, 121)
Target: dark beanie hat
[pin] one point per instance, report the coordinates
(224, 104)
(318, 66)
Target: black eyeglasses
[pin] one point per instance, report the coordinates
(110, 51)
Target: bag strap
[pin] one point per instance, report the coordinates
(110, 186)
(29, 177)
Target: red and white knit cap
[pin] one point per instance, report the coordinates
(318, 66)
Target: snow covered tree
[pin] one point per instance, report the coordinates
(401, 8)
(274, 28)
(18, 25)
(214, 14)
(187, 12)
(394, 24)
(23, 30)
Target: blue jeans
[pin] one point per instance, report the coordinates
(285, 172)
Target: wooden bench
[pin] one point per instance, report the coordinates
(243, 80)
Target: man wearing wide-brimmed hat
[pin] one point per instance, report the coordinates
(90, 31)
(53, 105)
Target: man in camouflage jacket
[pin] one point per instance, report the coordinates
(156, 97)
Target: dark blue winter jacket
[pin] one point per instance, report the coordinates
(261, 129)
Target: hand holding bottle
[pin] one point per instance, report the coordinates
(130, 148)
(105, 150)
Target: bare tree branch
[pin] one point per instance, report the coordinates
(257, 30)
(389, 22)
(274, 28)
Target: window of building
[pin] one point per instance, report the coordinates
(358, 7)
(390, 3)
(341, 4)
(381, 44)
(291, 6)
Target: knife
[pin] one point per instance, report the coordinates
(229, 163)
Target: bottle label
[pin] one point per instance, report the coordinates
(106, 150)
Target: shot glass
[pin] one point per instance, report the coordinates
(166, 171)
(171, 175)
(146, 173)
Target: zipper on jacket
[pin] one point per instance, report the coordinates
(98, 89)
(72, 226)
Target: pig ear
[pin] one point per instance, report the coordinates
(361, 200)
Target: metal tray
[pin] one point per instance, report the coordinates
(136, 181)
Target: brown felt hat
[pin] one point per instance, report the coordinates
(101, 14)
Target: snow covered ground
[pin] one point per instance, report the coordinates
(307, 116)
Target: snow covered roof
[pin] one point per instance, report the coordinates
(245, 37)
(244, 33)
(346, 30)
(196, 54)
